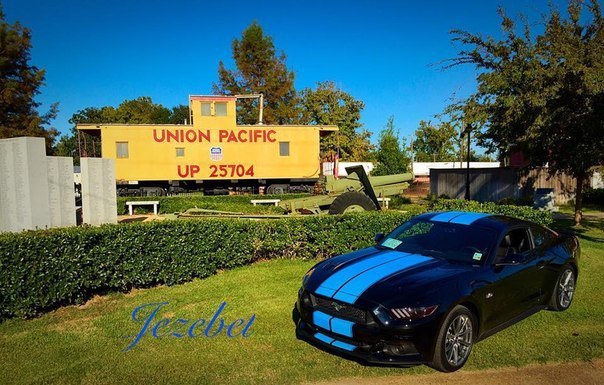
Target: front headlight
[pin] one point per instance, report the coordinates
(383, 315)
(413, 313)
(307, 276)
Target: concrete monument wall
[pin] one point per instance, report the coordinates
(61, 196)
(99, 202)
(24, 199)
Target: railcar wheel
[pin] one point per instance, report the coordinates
(563, 293)
(454, 341)
(277, 189)
(350, 202)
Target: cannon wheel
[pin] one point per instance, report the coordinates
(351, 202)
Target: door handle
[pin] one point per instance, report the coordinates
(541, 264)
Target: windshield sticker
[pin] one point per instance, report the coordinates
(477, 256)
(391, 243)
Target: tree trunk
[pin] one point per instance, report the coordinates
(579, 199)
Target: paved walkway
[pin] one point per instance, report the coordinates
(575, 373)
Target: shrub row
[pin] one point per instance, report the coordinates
(522, 212)
(40, 270)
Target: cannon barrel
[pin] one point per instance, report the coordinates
(390, 179)
(352, 182)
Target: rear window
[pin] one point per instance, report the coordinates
(541, 236)
(451, 241)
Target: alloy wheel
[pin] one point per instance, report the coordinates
(566, 289)
(458, 341)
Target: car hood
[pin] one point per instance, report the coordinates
(386, 277)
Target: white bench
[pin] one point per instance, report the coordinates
(130, 205)
(384, 201)
(265, 202)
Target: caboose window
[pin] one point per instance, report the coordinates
(283, 148)
(206, 109)
(220, 109)
(180, 152)
(121, 149)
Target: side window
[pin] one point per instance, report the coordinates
(206, 109)
(514, 242)
(121, 149)
(283, 148)
(541, 236)
(220, 109)
(180, 152)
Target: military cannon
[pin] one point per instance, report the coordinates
(355, 192)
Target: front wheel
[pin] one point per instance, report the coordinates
(351, 201)
(563, 293)
(454, 341)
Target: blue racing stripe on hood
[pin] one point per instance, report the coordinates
(446, 217)
(353, 289)
(468, 218)
(329, 287)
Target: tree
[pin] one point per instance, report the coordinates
(179, 115)
(20, 82)
(463, 113)
(434, 143)
(544, 93)
(141, 110)
(259, 70)
(390, 156)
(328, 105)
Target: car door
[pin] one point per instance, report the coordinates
(545, 254)
(514, 288)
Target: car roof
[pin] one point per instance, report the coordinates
(493, 221)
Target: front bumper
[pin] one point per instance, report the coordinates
(370, 343)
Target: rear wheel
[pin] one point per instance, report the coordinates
(350, 202)
(563, 293)
(454, 341)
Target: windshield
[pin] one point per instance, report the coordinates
(450, 241)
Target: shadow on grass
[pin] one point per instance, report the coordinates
(566, 223)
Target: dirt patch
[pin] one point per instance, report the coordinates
(93, 301)
(77, 325)
(574, 373)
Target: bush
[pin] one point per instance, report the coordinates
(399, 201)
(594, 196)
(522, 212)
(40, 270)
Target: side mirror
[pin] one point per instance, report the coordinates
(511, 260)
(378, 237)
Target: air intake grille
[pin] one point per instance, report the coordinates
(340, 309)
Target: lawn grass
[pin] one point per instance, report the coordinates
(234, 203)
(588, 208)
(83, 344)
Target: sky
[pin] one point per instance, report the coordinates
(388, 54)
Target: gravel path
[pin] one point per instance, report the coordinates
(575, 373)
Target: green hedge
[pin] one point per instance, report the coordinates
(40, 270)
(522, 212)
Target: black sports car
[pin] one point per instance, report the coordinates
(426, 292)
